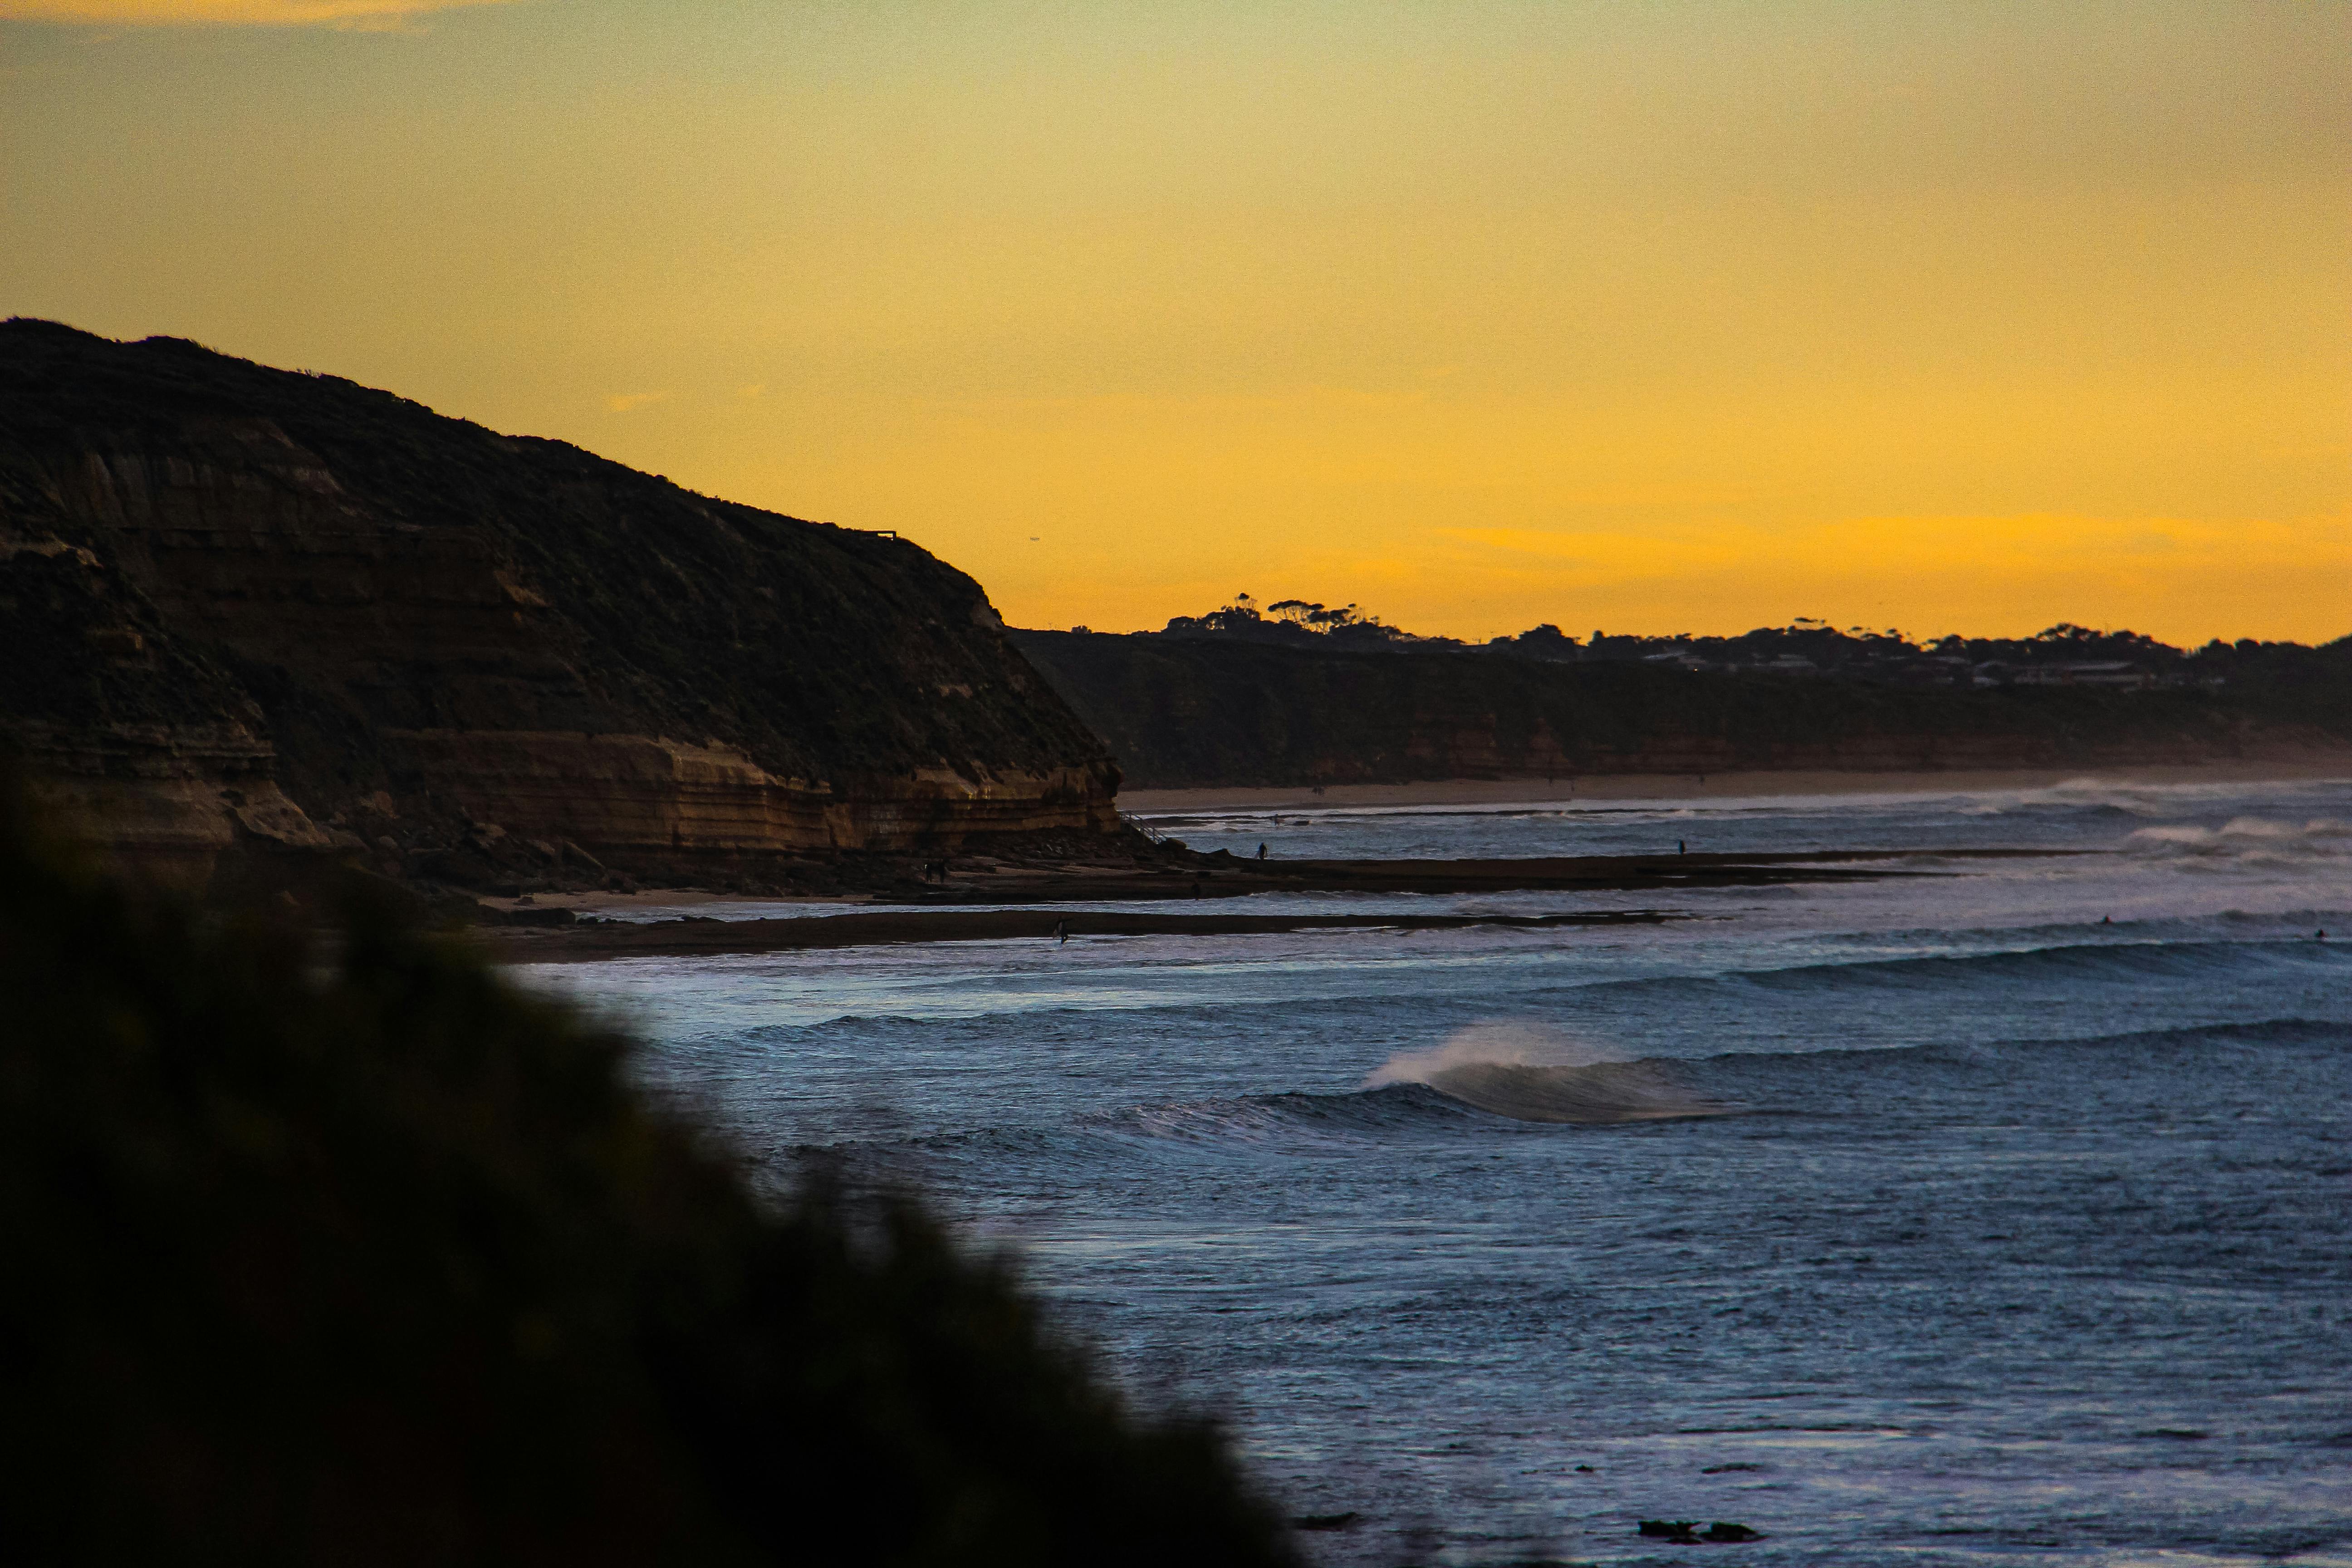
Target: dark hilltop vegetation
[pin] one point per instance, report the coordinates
(353, 1254)
(1299, 694)
(252, 615)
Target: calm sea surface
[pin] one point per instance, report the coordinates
(2000, 1213)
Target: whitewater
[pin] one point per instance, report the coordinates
(1995, 1213)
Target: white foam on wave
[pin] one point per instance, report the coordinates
(2248, 840)
(2077, 794)
(2092, 792)
(2141, 800)
(1532, 1072)
(1494, 1043)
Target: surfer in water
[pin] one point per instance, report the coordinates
(1062, 931)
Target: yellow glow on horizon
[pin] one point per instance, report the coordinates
(1478, 314)
(361, 14)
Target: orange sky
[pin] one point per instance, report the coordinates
(1649, 317)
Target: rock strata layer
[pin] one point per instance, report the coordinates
(247, 609)
(1202, 713)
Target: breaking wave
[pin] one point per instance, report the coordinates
(1521, 1072)
(2248, 840)
(2107, 795)
(2095, 796)
(1512, 1079)
(1295, 1121)
(1531, 1073)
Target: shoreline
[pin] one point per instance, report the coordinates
(563, 938)
(711, 937)
(980, 877)
(1538, 790)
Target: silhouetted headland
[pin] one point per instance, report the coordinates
(1240, 699)
(256, 616)
(273, 629)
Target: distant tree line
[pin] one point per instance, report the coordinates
(2063, 654)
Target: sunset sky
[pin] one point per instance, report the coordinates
(1646, 317)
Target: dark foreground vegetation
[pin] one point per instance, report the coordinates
(365, 1257)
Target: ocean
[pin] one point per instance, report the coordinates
(2000, 1212)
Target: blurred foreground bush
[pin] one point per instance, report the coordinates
(382, 1261)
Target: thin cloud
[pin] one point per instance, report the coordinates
(366, 16)
(622, 402)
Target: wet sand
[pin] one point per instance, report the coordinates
(692, 935)
(1220, 878)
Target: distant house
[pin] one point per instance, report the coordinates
(2097, 672)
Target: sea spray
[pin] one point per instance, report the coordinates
(2254, 841)
(1532, 1072)
(2018, 1169)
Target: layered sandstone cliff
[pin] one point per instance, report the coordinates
(243, 608)
(1192, 712)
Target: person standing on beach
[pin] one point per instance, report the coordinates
(1261, 851)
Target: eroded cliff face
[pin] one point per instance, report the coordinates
(246, 607)
(1186, 713)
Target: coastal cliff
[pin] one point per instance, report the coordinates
(255, 610)
(1199, 712)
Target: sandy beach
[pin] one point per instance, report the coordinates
(568, 941)
(705, 937)
(979, 875)
(1721, 786)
